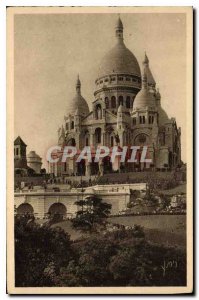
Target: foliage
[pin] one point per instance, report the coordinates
(150, 197)
(46, 257)
(124, 260)
(92, 212)
(40, 251)
(166, 200)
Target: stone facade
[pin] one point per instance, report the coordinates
(126, 111)
(25, 165)
(40, 203)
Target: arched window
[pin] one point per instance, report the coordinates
(112, 141)
(71, 142)
(98, 111)
(120, 100)
(72, 125)
(113, 102)
(149, 119)
(142, 119)
(132, 101)
(98, 135)
(128, 102)
(162, 139)
(107, 102)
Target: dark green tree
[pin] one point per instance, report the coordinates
(92, 213)
(40, 251)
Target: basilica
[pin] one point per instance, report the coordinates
(126, 111)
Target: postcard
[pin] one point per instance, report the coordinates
(99, 150)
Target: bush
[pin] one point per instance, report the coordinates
(46, 257)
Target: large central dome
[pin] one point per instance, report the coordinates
(119, 60)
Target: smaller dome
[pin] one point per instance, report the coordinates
(78, 102)
(162, 116)
(144, 98)
(33, 154)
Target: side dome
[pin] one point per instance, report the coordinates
(144, 98)
(162, 116)
(33, 154)
(119, 60)
(78, 102)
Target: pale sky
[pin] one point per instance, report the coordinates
(51, 49)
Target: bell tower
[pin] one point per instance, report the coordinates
(20, 161)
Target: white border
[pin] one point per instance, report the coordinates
(3, 93)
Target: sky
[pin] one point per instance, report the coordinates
(51, 49)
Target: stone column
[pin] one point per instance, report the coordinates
(88, 169)
(137, 118)
(91, 137)
(101, 167)
(103, 138)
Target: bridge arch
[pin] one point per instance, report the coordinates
(25, 209)
(58, 209)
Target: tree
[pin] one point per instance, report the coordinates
(166, 200)
(92, 212)
(150, 197)
(40, 251)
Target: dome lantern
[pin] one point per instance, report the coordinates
(119, 30)
(146, 60)
(78, 85)
(150, 78)
(144, 80)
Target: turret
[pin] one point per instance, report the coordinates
(19, 149)
(20, 161)
(120, 116)
(62, 131)
(78, 85)
(158, 97)
(150, 78)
